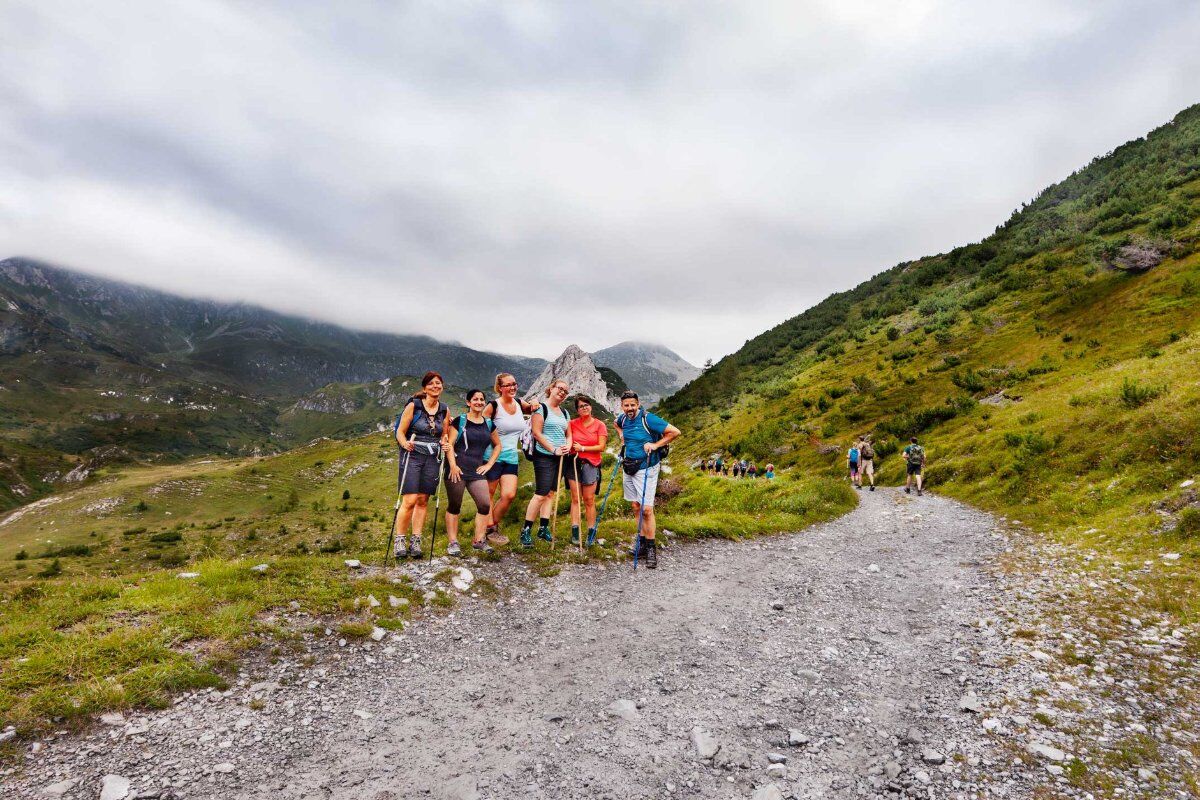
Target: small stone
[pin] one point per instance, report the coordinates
(1170, 556)
(970, 703)
(362, 714)
(706, 746)
(931, 756)
(1055, 770)
(873, 568)
(777, 771)
(770, 791)
(372, 602)
(892, 770)
(1146, 775)
(922, 777)
(796, 738)
(625, 709)
(225, 767)
(913, 736)
(377, 634)
(778, 606)
(1186, 483)
(113, 720)
(429, 596)
(1047, 752)
(397, 602)
(114, 787)
(260, 568)
(188, 575)
(353, 563)
(59, 789)
(462, 580)
(776, 758)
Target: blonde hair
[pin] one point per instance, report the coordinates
(500, 379)
(556, 382)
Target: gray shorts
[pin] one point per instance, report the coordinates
(632, 484)
(589, 474)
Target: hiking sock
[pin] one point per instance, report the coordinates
(544, 530)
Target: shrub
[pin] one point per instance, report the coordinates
(141, 506)
(1135, 395)
(893, 333)
(167, 536)
(1189, 523)
(345, 494)
(67, 551)
(970, 381)
(21, 555)
(173, 558)
(51, 570)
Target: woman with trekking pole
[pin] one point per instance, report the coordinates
(473, 449)
(551, 431)
(582, 470)
(419, 432)
(506, 413)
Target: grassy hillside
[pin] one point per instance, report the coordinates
(1050, 368)
(93, 614)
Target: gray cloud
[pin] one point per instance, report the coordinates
(691, 173)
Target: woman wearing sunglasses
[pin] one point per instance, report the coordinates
(552, 432)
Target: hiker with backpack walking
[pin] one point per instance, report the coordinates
(507, 415)
(644, 439)
(589, 436)
(866, 455)
(548, 443)
(914, 458)
(852, 463)
(770, 473)
(419, 432)
(474, 447)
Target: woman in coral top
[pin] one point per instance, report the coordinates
(589, 436)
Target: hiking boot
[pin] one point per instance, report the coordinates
(907, 490)
(527, 538)
(920, 492)
(545, 535)
(575, 534)
(872, 487)
(591, 537)
(400, 549)
(651, 554)
(482, 547)
(414, 547)
(495, 537)
(453, 549)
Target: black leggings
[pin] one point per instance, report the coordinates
(479, 493)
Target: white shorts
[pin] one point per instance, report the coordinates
(633, 484)
(868, 467)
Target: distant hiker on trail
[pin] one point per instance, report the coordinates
(753, 470)
(770, 473)
(550, 442)
(505, 412)
(914, 457)
(474, 448)
(866, 455)
(852, 464)
(419, 432)
(719, 465)
(643, 436)
(589, 436)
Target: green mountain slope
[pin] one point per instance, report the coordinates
(1050, 368)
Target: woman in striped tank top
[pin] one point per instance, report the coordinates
(506, 413)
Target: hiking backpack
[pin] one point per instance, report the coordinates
(661, 452)
(419, 411)
(527, 441)
(916, 454)
(462, 433)
(868, 452)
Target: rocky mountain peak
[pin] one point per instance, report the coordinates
(579, 371)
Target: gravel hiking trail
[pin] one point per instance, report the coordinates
(841, 661)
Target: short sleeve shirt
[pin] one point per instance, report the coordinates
(635, 433)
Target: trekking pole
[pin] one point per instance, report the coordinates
(437, 501)
(604, 503)
(578, 488)
(637, 544)
(399, 499)
(557, 495)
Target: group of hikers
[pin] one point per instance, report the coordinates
(860, 461)
(478, 453)
(718, 465)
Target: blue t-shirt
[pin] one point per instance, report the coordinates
(635, 434)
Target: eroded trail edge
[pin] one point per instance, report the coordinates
(856, 658)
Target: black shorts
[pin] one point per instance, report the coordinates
(545, 473)
(915, 469)
(420, 476)
(589, 473)
(501, 468)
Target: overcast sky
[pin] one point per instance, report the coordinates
(522, 176)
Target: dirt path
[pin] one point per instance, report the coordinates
(600, 683)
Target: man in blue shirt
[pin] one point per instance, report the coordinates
(643, 436)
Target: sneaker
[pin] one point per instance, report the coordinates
(482, 547)
(400, 549)
(414, 547)
(591, 537)
(526, 537)
(574, 535)
(496, 538)
(453, 549)
(651, 553)
(545, 535)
